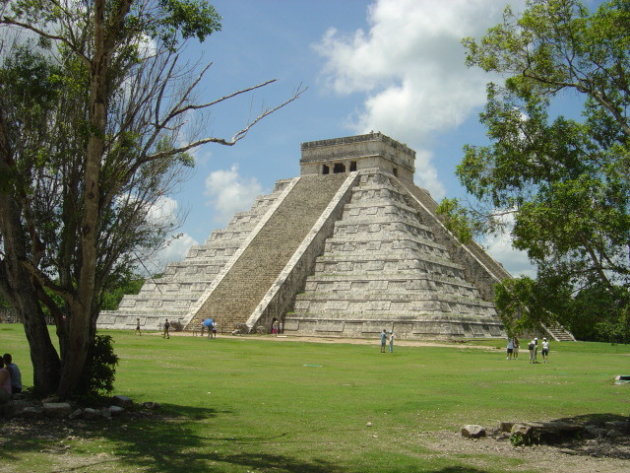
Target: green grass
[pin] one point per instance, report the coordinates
(239, 405)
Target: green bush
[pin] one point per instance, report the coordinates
(100, 369)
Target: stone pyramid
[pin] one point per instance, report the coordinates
(349, 248)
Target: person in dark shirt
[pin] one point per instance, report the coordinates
(14, 371)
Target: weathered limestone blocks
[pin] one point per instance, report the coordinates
(334, 252)
(404, 329)
(182, 283)
(242, 289)
(383, 268)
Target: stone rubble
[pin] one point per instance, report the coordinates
(550, 433)
(35, 409)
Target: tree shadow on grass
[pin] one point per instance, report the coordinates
(603, 445)
(165, 441)
(141, 432)
(172, 445)
(458, 469)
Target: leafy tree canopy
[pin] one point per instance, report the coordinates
(565, 181)
(93, 133)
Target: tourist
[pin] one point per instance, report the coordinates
(510, 348)
(138, 332)
(532, 350)
(207, 323)
(14, 371)
(517, 345)
(545, 350)
(167, 326)
(383, 340)
(214, 329)
(391, 341)
(5, 383)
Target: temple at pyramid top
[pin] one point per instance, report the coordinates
(355, 153)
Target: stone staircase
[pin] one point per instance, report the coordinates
(491, 265)
(242, 288)
(384, 269)
(182, 283)
(558, 333)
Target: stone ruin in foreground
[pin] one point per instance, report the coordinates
(347, 249)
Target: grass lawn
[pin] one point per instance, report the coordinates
(248, 405)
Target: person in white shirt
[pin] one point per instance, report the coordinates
(510, 348)
(545, 350)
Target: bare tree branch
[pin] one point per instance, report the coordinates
(10, 21)
(237, 136)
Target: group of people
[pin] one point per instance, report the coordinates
(211, 326)
(513, 347)
(532, 347)
(208, 324)
(10, 378)
(385, 337)
(533, 350)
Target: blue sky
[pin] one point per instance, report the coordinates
(394, 66)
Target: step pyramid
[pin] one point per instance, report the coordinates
(349, 248)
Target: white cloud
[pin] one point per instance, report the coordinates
(500, 247)
(163, 212)
(147, 46)
(515, 261)
(230, 193)
(410, 64)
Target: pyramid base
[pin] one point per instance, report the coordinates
(404, 329)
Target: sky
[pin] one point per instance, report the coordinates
(394, 66)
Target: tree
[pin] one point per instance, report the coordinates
(565, 182)
(93, 115)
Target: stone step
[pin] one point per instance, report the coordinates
(397, 224)
(375, 242)
(415, 278)
(380, 317)
(208, 252)
(404, 328)
(342, 309)
(360, 268)
(393, 296)
(400, 259)
(558, 332)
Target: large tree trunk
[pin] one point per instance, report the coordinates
(79, 337)
(46, 363)
(18, 284)
(19, 287)
(75, 353)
